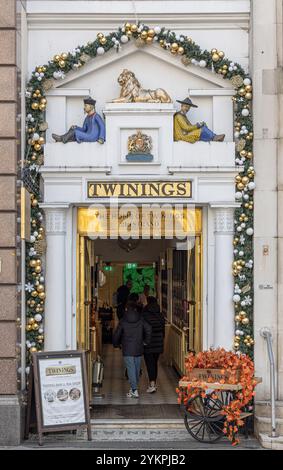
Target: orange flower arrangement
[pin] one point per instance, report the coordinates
(238, 369)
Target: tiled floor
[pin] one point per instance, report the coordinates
(116, 386)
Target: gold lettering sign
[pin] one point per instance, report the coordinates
(56, 370)
(168, 222)
(140, 189)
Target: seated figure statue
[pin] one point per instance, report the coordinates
(184, 130)
(93, 129)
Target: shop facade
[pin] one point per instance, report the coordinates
(200, 177)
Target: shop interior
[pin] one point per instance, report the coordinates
(172, 270)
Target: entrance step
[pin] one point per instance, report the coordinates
(139, 430)
(274, 443)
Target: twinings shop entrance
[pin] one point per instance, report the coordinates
(172, 270)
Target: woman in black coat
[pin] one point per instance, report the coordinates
(152, 351)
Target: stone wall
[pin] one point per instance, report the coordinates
(10, 413)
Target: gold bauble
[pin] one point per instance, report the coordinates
(245, 321)
(237, 318)
(56, 58)
(38, 262)
(236, 345)
(215, 57)
(243, 153)
(103, 41)
(35, 327)
(43, 101)
(249, 88)
(31, 321)
(151, 33)
(143, 34)
(34, 203)
(221, 54)
(250, 155)
(242, 313)
(64, 56)
(181, 50)
(247, 206)
(149, 40)
(174, 46)
(242, 92)
(37, 269)
(40, 288)
(100, 35)
(128, 25)
(33, 350)
(34, 293)
(37, 147)
(161, 42)
(249, 96)
(134, 28)
(186, 61)
(41, 140)
(238, 178)
(240, 186)
(225, 72)
(239, 268)
(214, 51)
(62, 64)
(245, 180)
(35, 105)
(32, 263)
(129, 33)
(28, 327)
(42, 107)
(42, 295)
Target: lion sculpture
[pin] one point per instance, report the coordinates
(132, 92)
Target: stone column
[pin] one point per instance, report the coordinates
(55, 309)
(223, 278)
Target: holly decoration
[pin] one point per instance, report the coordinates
(44, 78)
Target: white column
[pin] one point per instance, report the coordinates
(223, 278)
(55, 309)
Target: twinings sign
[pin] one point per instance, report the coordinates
(65, 370)
(150, 189)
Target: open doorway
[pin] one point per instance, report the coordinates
(173, 272)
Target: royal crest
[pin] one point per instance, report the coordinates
(139, 147)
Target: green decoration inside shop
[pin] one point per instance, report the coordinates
(44, 78)
(140, 277)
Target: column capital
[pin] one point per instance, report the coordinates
(224, 219)
(55, 219)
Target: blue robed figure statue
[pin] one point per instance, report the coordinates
(93, 129)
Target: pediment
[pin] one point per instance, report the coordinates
(153, 66)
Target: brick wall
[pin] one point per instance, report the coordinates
(9, 147)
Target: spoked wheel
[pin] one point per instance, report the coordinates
(203, 418)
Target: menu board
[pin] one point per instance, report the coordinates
(58, 392)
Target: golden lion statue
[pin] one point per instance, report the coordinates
(132, 92)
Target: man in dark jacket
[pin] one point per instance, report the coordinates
(132, 334)
(152, 350)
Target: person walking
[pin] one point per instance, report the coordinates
(123, 293)
(133, 334)
(152, 350)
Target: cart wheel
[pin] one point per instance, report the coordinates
(203, 418)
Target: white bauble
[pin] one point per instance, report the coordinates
(32, 239)
(249, 231)
(39, 79)
(237, 134)
(100, 51)
(241, 253)
(251, 186)
(194, 61)
(124, 39)
(239, 229)
(247, 82)
(36, 136)
(41, 331)
(203, 64)
(243, 225)
(246, 197)
(157, 30)
(235, 252)
(35, 234)
(27, 370)
(238, 195)
(37, 74)
(38, 317)
(245, 112)
(236, 298)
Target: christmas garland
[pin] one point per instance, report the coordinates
(44, 78)
(231, 364)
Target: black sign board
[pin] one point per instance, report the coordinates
(58, 390)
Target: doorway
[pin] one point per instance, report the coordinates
(173, 271)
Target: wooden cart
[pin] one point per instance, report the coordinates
(203, 415)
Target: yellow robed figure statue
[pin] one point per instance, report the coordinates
(184, 130)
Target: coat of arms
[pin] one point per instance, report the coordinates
(139, 148)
